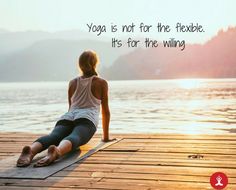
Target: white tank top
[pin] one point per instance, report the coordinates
(83, 103)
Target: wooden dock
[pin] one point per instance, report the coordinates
(153, 161)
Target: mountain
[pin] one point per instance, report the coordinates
(52, 60)
(15, 41)
(37, 56)
(44, 56)
(2, 31)
(214, 59)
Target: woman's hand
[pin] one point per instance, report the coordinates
(108, 140)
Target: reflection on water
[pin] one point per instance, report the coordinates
(189, 83)
(151, 106)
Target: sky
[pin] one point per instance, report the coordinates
(60, 15)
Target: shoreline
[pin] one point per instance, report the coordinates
(117, 80)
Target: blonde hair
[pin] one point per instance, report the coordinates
(88, 61)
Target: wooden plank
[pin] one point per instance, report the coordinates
(154, 155)
(111, 183)
(162, 185)
(178, 170)
(189, 150)
(140, 176)
(177, 141)
(166, 163)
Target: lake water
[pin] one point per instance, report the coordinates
(197, 106)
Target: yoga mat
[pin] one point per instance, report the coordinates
(9, 170)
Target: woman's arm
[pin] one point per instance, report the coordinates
(71, 90)
(105, 112)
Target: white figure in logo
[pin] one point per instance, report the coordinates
(218, 179)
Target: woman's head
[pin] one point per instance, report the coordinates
(88, 61)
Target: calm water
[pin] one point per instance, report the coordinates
(154, 106)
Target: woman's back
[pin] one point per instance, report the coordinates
(86, 93)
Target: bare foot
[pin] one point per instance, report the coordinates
(25, 157)
(53, 154)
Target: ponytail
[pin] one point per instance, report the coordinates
(91, 72)
(87, 62)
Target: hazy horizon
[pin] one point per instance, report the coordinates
(106, 38)
(37, 56)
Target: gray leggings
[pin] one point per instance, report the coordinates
(78, 132)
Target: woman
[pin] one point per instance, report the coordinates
(76, 127)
